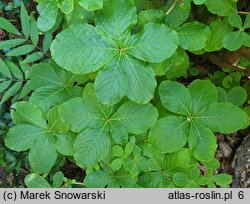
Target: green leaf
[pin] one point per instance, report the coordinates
(222, 94)
(11, 91)
(116, 18)
(4, 85)
(175, 97)
(11, 43)
(55, 124)
(180, 179)
(43, 154)
(150, 16)
(48, 96)
(221, 7)
(118, 151)
(223, 118)
(199, 2)
(179, 161)
(202, 142)
(48, 14)
(23, 137)
(75, 121)
(119, 133)
(247, 22)
(111, 82)
(90, 49)
(169, 134)
(66, 6)
(47, 41)
(203, 93)
(25, 21)
(222, 179)
(178, 14)
(58, 179)
(155, 43)
(233, 41)
(237, 96)
(32, 57)
(91, 146)
(24, 92)
(97, 179)
(135, 117)
(6, 25)
(22, 50)
(193, 36)
(36, 181)
(28, 113)
(65, 144)
(34, 34)
(235, 21)
(4, 69)
(44, 74)
(14, 70)
(117, 164)
(91, 5)
(150, 179)
(141, 80)
(219, 29)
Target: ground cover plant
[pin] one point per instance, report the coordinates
(122, 93)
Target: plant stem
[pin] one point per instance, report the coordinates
(172, 7)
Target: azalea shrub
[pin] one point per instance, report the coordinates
(115, 87)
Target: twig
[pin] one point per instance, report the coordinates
(172, 7)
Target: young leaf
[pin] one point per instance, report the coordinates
(66, 6)
(58, 179)
(91, 5)
(36, 181)
(6, 25)
(237, 96)
(97, 179)
(235, 20)
(25, 21)
(233, 41)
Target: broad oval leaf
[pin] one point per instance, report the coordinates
(82, 49)
(176, 98)
(117, 18)
(91, 146)
(154, 43)
(223, 118)
(136, 118)
(36, 181)
(203, 93)
(193, 36)
(23, 137)
(169, 134)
